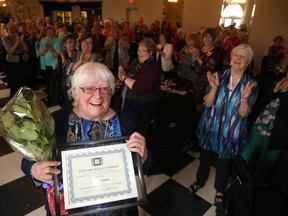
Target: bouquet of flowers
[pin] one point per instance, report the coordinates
(28, 127)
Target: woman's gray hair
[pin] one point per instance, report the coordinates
(246, 48)
(88, 71)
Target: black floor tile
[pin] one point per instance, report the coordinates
(3, 102)
(4, 147)
(19, 197)
(172, 199)
(170, 166)
(269, 200)
(184, 160)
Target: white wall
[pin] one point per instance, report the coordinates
(270, 19)
(204, 12)
(150, 10)
(33, 10)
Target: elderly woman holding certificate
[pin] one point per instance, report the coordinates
(90, 118)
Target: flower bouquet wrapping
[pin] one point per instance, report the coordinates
(28, 127)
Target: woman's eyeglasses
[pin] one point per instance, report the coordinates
(92, 90)
(141, 51)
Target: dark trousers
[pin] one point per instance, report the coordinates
(33, 69)
(17, 76)
(169, 74)
(223, 170)
(47, 75)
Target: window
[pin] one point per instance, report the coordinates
(231, 14)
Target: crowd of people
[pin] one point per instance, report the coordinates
(28, 42)
(214, 62)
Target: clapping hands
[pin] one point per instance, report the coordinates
(213, 80)
(282, 85)
(247, 90)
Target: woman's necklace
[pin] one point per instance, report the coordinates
(231, 86)
(95, 128)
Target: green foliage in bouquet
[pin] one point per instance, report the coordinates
(27, 125)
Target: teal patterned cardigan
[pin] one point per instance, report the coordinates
(221, 128)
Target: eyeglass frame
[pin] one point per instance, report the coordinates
(142, 51)
(108, 89)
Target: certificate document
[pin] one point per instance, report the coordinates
(97, 175)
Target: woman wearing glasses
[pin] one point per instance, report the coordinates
(140, 95)
(90, 118)
(84, 55)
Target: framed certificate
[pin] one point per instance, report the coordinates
(99, 172)
(97, 175)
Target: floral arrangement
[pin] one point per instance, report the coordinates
(28, 127)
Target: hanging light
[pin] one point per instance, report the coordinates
(233, 10)
(2, 3)
(235, 1)
(172, 0)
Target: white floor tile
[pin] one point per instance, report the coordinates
(54, 108)
(10, 168)
(4, 93)
(211, 211)
(208, 191)
(154, 181)
(187, 175)
(38, 212)
(141, 212)
(194, 154)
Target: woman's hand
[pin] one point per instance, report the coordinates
(137, 143)
(247, 90)
(244, 107)
(48, 46)
(44, 170)
(109, 41)
(121, 74)
(195, 53)
(81, 58)
(213, 80)
(196, 56)
(17, 39)
(62, 57)
(282, 85)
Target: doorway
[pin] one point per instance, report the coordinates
(173, 12)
